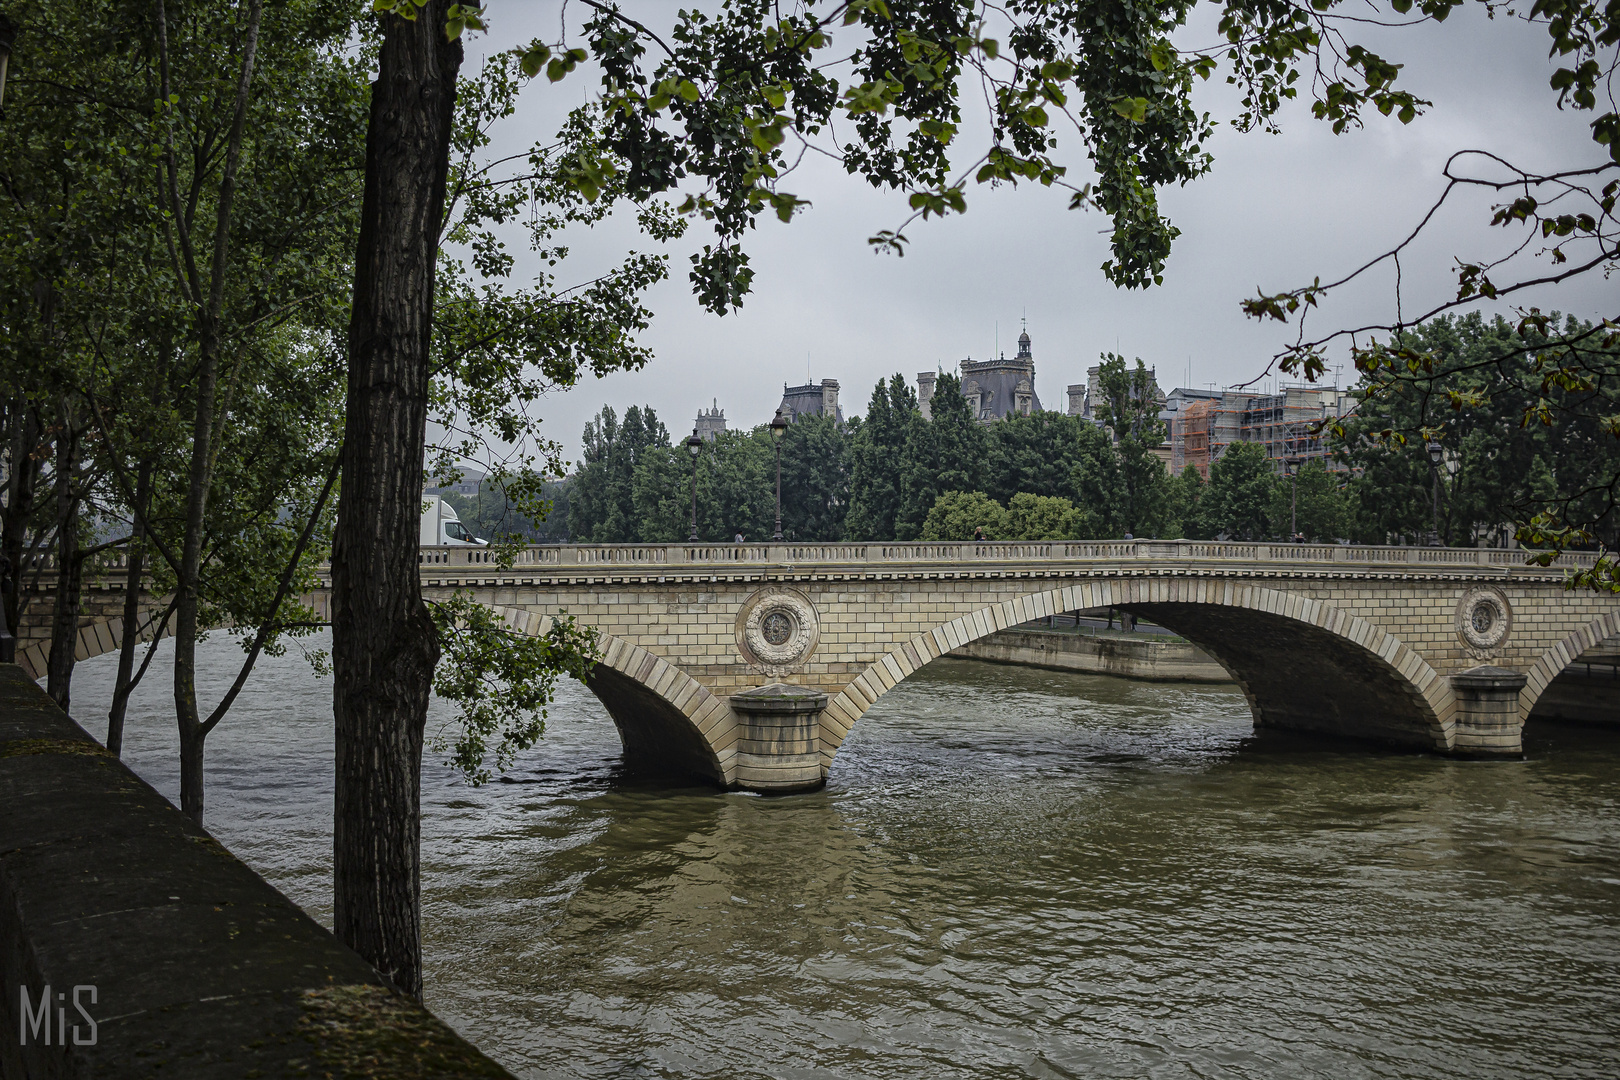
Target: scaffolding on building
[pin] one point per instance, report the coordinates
(1288, 424)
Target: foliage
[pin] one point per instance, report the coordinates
(1184, 506)
(182, 185)
(1239, 500)
(816, 456)
(1324, 511)
(1524, 439)
(956, 515)
(723, 101)
(1039, 453)
(602, 508)
(1130, 410)
(501, 682)
(1047, 517)
(943, 453)
(500, 348)
(875, 454)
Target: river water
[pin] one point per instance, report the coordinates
(1010, 873)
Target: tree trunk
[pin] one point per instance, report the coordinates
(21, 480)
(132, 615)
(65, 618)
(384, 646)
(187, 600)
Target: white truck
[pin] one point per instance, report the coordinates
(442, 528)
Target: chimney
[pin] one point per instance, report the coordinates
(925, 392)
(1077, 399)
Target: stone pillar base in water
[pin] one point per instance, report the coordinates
(779, 747)
(1488, 724)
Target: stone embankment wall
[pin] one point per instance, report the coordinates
(1131, 658)
(161, 954)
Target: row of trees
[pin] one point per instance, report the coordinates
(190, 402)
(894, 475)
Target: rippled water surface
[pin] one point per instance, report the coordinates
(1011, 873)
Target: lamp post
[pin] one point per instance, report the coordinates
(1436, 454)
(779, 428)
(1291, 466)
(694, 443)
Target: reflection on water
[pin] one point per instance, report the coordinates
(1011, 872)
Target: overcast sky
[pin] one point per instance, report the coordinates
(1276, 211)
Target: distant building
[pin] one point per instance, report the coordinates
(925, 393)
(997, 389)
(994, 389)
(467, 485)
(710, 422)
(811, 400)
(1285, 423)
(1173, 413)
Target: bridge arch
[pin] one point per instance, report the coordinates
(669, 722)
(95, 636)
(1553, 662)
(1301, 663)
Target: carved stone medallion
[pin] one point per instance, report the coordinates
(1484, 620)
(777, 629)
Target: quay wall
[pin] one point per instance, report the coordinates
(1131, 658)
(163, 954)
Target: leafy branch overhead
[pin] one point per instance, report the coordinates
(501, 681)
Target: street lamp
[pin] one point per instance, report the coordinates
(1291, 467)
(779, 428)
(8, 34)
(1436, 453)
(694, 443)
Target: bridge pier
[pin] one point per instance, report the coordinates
(1488, 722)
(779, 738)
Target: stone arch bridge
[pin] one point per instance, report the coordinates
(747, 665)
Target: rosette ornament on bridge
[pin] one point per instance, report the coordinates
(1484, 619)
(777, 630)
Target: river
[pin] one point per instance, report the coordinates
(1011, 872)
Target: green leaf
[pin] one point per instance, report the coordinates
(534, 59)
(1133, 109)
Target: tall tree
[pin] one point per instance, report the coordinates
(200, 228)
(384, 643)
(1242, 484)
(876, 453)
(1184, 506)
(944, 453)
(1515, 443)
(602, 508)
(815, 479)
(1315, 502)
(1130, 411)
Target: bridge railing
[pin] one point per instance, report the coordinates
(680, 555)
